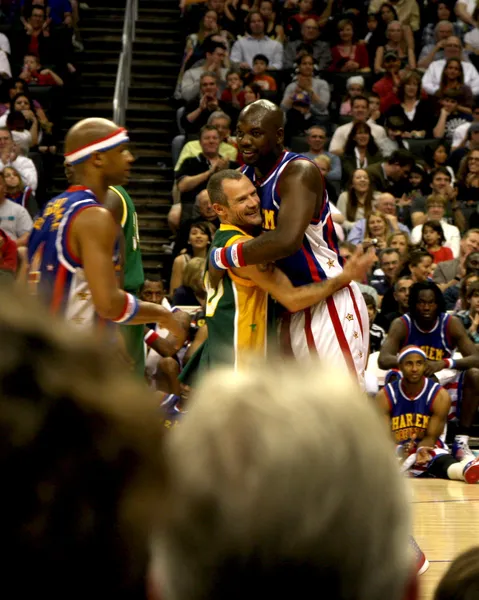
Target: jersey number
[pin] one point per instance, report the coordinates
(213, 296)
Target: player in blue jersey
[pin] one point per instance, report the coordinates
(299, 236)
(73, 244)
(438, 334)
(417, 408)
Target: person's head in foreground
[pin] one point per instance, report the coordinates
(283, 485)
(461, 580)
(81, 461)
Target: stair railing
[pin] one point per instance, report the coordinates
(123, 74)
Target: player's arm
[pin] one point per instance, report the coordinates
(435, 427)
(93, 234)
(200, 338)
(464, 344)
(299, 187)
(391, 346)
(384, 407)
(170, 345)
(275, 282)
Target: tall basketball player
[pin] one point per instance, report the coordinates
(299, 236)
(73, 245)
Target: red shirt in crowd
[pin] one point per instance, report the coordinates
(8, 253)
(358, 54)
(39, 79)
(384, 88)
(441, 255)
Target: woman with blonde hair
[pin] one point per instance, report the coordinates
(18, 192)
(399, 241)
(396, 42)
(377, 228)
(357, 202)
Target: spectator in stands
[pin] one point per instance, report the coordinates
(14, 219)
(360, 112)
(455, 295)
(468, 186)
(222, 122)
(305, 11)
(35, 39)
(416, 113)
(204, 211)
(316, 88)
(399, 302)
(10, 157)
(441, 12)
(310, 44)
(436, 210)
(259, 75)
(397, 44)
(435, 49)
(386, 206)
(395, 140)
(400, 241)
(32, 72)
(317, 138)
(376, 232)
(252, 92)
(453, 79)
(37, 123)
(199, 240)
(256, 42)
(469, 314)
(433, 80)
(407, 11)
(299, 117)
(377, 335)
(360, 150)
(194, 173)
(383, 278)
(433, 241)
(348, 55)
(22, 137)
(8, 255)
(465, 10)
(354, 87)
(234, 93)
(198, 111)
(387, 87)
(392, 174)
(449, 273)
(357, 202)
(420, 266)
(463, 137)
(374, 103)
(194, 50)
(274, 28)
(192, 291)
(440, 186)
(215, 55)
(324, 163)
(18, 192)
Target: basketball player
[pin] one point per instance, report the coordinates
(299, 236)
(73, 244)
(417, 408)
(438, 334)
(236, 310)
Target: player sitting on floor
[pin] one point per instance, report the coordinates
(417, 409)
(438, 334)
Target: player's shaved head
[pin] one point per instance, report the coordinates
(87, 131)
(264, 113)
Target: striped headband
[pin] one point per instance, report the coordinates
(120, 136)
(410, 350)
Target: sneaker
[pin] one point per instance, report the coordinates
(471, 471)
(422, 564)
(461, 450)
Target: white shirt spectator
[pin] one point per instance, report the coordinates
(472, 38)
(320, 88)
(451, 233)
(26, 168)
(460, 134)
(4, 43)
(432, 77)
(190, 84)
(247, 47)
(14, 219)
(470, 6)
(23, 139)
(340, 136)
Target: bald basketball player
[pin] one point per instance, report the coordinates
(299, 236)
(73, 248)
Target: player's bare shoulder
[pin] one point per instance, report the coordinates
(302, 173)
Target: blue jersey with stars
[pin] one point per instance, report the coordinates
(55, 273)
(318, 258)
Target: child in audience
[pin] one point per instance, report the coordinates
(234, 93)
(374, 102)
(451, 115)
(259, 76)
(433, 240)
(394, 141)
(377, 335)
(32, 72)
(354, 87)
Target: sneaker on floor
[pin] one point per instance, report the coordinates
(471, 471)
(422, 564)
(461, 450)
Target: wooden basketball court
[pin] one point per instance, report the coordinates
(446, 522)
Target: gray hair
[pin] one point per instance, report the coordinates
(448, 23)
(208, 74)
(283, 481)
(218, 114)
(215, 185)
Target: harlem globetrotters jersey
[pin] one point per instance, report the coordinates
(436, 342)
(55, 273)
(318, 258)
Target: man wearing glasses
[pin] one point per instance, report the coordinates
(308, 43)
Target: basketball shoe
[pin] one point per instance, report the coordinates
(471, 471)
(460, 448)
(422, 564)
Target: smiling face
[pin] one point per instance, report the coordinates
(210, 142)
(473, 162)
(394, 32)
(242, 207)
(376, 226)
(209, 87)
(316, 139)
(266, 9)
(198, 239)
(412, 367)
(249, 95)
(452, 48)
(306, 66)
(12, 179)
(362, 137)
(421, 271)
(257, 138)
(360, 181)
(390, 263)
(435, 211)
(360, 109)
(400, 243)
(346, 34)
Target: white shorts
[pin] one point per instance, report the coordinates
(336, 331)
(452, 381)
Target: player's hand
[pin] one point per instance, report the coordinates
(359, 264)
(433, 366)
(408, 448)
(424, 455)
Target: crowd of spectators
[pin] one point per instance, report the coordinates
(384, 96)
(38, 42)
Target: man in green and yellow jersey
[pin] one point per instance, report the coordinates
(236, 308)
(122, 207)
